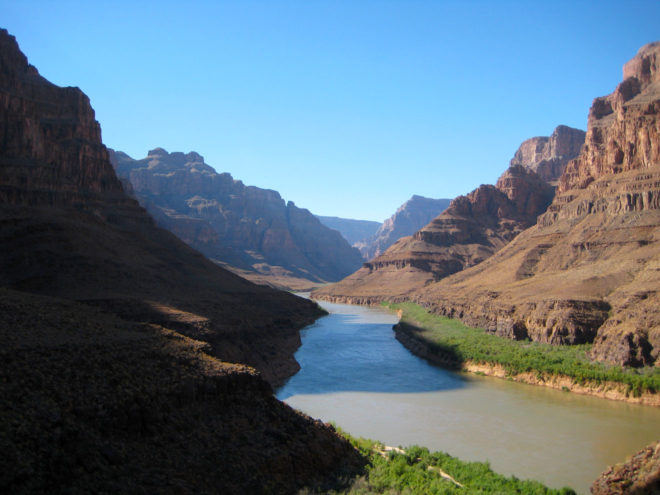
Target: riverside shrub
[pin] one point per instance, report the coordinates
(416, 471)
(460, 343)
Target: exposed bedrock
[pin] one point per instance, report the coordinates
(244, 226)
(469, 231)
(590, 268)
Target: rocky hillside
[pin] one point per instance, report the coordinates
(244, 226)
(117, 336)
(469, 231)
(409, 218)
(588, 270)
(548, 156)
(639, 475)
(352, 230)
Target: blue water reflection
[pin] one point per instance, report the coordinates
(354, 350)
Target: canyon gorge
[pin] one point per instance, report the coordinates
(121, 342)
(136, 359)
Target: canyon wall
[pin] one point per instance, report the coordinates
(548, 156)
(244, 226)
(118, 338)
(588, 270)
(470, 230)
(409, 218)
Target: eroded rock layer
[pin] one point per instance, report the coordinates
(408, 219)
(469, 231)
(244, 226)
(590, 269)
(548, 156)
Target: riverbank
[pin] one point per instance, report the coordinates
(416, 470)
(450, 344)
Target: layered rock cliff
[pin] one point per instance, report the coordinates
(548, 156)
(469, 231)
(243, 226)
(588, 271)
(114, 330)
(408, 219)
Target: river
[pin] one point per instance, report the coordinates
(355, 373)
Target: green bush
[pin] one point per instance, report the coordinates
(417, 471)
(459, 343)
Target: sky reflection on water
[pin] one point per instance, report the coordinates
(356, 353)
(355, 373)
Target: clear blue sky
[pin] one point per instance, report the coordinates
(346, 108)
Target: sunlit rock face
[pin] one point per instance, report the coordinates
(548, 156)
(470, 230)
(588, 270)
(639, 475)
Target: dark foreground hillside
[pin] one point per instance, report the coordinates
(113, 331)
(92, 403)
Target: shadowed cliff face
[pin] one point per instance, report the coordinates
(112, 330)
(588, 271)
(469, 231)
(68, 229)
(93, 403)
(244, 226)
(52, 153)
(408, 219)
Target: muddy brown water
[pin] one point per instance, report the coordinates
(356, 374)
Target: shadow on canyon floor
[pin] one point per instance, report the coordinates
(347, 353)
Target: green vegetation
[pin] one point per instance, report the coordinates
(452, 341)
(418, 471)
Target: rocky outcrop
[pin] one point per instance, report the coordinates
(588, 270)
(51, 150)
(469, 231)
(118, 337)
(352, 230)
(548, 156)
(623, 133)
(639, 475)
(243, 226)
(408, 219)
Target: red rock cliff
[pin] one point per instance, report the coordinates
(469, 231)
(587, 272)
(548, 156)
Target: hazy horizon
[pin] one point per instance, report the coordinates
(346, 109)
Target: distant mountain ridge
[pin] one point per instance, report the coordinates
(408, 218)
(352, 230)
(244, 226)
(470, 230)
